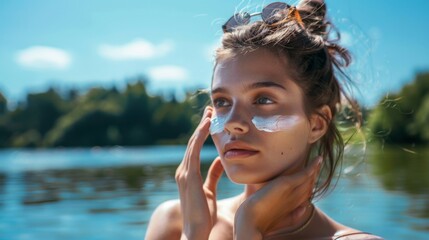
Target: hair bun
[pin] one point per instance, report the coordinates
(313, 13)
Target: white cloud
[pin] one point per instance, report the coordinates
(168, 72)
(42, 57)
(135, 50)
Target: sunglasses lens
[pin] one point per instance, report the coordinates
(237, 20)
(274, 12)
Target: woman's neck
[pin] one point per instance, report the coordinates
(281, 226)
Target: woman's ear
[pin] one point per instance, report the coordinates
(318, 124)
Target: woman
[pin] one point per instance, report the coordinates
(275, 93)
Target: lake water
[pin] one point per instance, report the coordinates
(110, 193)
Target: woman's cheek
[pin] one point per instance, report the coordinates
(217, 142)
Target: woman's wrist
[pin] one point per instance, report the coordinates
(245, 227)
(246, 231)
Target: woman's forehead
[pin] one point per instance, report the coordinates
(256, 66)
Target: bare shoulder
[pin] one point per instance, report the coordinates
(358, 236)
(343, 232)
(355, 235)
(165, 222)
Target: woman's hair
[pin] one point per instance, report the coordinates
(318, 61)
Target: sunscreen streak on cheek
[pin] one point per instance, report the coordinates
(275, 123)
(217, 124)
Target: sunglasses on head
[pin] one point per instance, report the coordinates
(273, 14)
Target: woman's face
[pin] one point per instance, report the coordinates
(259, 86)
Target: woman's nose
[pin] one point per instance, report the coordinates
(237, 123)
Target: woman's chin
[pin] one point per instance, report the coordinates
(246, 178)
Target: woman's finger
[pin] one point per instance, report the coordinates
(302, 193)
(195, 144)
(213, 175)
(210, 185)
(201, 135)
(301, 196)
(296, 214)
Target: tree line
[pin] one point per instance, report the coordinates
(99, 117)
(403, 117)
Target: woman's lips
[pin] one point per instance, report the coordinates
(239, 153)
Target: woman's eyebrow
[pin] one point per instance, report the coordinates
(218, 90)
(252, 86)
(265, 84)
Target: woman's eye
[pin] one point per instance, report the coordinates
(264, 100)
(220, 102)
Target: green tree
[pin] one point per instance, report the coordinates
(92, 120)
(3, 104)
(172, 121)
(100, 117)
(403, 117)
(135, 118)
(44, 109)
(30, 121)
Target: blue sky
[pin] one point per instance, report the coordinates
(103, 43)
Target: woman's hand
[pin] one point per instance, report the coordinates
(198, 200)
(285, 198)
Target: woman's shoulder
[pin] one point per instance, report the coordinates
(165, 222)
(355, 235)
(343, 232)
(168, 217)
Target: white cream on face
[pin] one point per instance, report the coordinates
(217, 124)
(275, 123)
